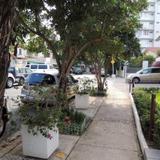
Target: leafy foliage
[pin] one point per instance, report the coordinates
(72, 122)
(80, 24)
(137, 61)
(142, 98)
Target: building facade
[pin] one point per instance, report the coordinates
(149, 32)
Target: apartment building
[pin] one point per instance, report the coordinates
(149, 33)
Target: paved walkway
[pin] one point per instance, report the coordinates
(112, 134)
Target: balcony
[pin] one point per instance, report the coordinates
(147, 17)
(152, 1)
(148, 36)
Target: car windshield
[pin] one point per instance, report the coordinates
(35, 78)
(141, 71)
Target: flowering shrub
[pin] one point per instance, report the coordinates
(86, 85)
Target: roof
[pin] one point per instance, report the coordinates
(156, 64)
(152, 49)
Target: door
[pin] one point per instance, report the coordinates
(155, 74)
(145, 75)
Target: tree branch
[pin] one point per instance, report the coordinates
(49, 42)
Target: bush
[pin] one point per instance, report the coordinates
(95, 92)
(72, 122)
(137, 61)
(142, 98)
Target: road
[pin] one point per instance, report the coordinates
(13, 124)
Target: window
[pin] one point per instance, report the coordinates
(156, 70)
(42, 66)
(27, 65)
(33, 66)
(35, 78)
(27, 70)
(145, 32)
(146, 71)
(20, 51)
(48, 79)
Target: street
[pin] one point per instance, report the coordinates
(13, 124)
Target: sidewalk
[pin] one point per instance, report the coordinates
(112, 134)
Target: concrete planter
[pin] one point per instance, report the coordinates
(39, 146)
(148, 153)
(82, 101)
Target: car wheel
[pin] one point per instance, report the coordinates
(10, 82)
(135, 80)
(21, 81)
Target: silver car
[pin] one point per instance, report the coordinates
(150, 75)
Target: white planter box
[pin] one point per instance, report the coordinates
(39, 146)
(82, 101)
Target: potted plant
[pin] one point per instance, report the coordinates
(82, 97)
(40, 135)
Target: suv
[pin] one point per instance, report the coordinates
(150, 74)
(19, 74)
(37, 67)
(45, 81)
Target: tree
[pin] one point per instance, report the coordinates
(35, 44)
(100, 56)
(79, 25)
(7, 21)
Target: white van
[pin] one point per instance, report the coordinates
(37, 67)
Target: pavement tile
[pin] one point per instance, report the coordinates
(86, 152)
(111, 134)
(115, 111)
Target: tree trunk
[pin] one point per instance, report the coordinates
(15, 49)
(100, 83)
(67, 62)
(7, 19)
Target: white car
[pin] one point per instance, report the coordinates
(10, 81)
(150, 74)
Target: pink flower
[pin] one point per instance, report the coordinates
(49, 136)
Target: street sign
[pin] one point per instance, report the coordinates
(112, 61)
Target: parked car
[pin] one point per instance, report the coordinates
(150, 74)
(25, 71)
(37, 67)
(45, 81)
(77, 70)
(18, 74)
(10, 80)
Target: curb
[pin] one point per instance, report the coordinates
(142, 141)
